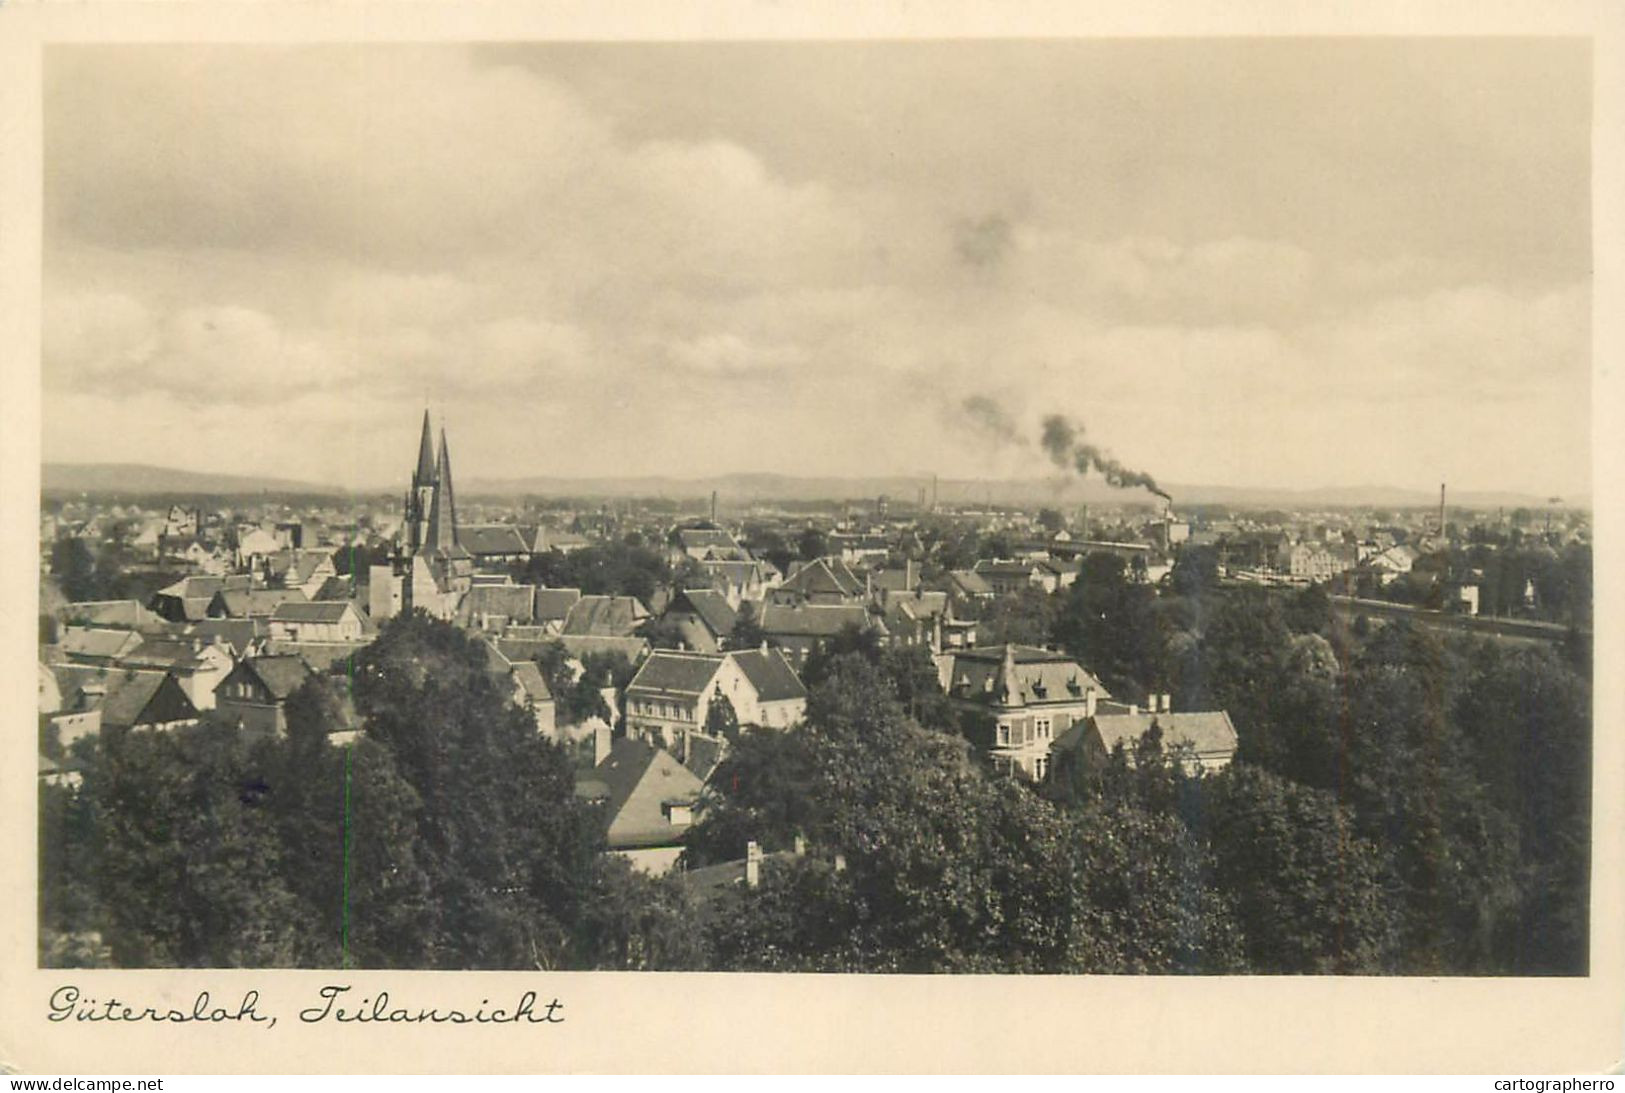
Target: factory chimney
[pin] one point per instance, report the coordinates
(713, 506)
(1441, 510)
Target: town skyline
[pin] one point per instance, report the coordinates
(1293, 265)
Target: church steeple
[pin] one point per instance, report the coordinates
(442, 534)
(424, 475)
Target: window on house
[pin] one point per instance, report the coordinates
(1041, 768)
(1041, 726)
(1004, 735)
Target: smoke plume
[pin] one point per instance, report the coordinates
(992, 420)
(1064, 442)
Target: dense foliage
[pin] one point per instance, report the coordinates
(1399, 803)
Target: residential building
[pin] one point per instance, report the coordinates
(1031, 695)
(254, 695)
(802, 630)
(648, 801)
(333, 621)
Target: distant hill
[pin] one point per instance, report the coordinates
(136, 478)
(737, 489)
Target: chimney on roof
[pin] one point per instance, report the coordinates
(601, 743)
(1133, 709)
(801, 845)
(1150, 703)
(1167, 705)
(753, 864)
(1088, 702)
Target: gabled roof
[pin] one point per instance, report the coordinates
(238, 633)
(132, 692)
(710, 605)
(335, 588)
(255, 603)
(824, 577)
(553, 604)
(329, 611)
(814, 620)
(97, 643)
(970, 583)
(605, 616)
(770, 674)
(515, 602)
(297, 566)
(672, 673)
(639, 782)
(125, 614)
(531, 681)
(1208, 732)
(704, 755)
(165, 653)
(582, 645)
(281, 675)
(493, 539)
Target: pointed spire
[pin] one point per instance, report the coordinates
(443, 508)
(424, 474)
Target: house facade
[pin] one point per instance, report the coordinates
(1031, 695)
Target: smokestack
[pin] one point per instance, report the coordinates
(753, 864)
(933, 493)
(713, 506)
(1441, 510)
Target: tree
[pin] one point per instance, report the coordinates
(1024, 617)
(188, 863)
(721, 718)
(1308, 891)
(633, 922)
(74, 567)
(747, 630)
(811, 544)
(507, 846)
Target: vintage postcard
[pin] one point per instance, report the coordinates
(737, 538)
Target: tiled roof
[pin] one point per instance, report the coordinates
(238, 633)
(813, 620)
(129, 694)
(640, 781)
(244, 603)
(771, 675)
(94, 642)
(605, 616)
(667, 672)
(1209, 732)
(335, 588)
(530, 680)
(1040, 676)
(492, 539)
(710, 605)
(282, 675)
(704, 754)
(129, 614)
(970, 582)
(824, 577)
(322, 656)
(329, 611)
(515, 602)
(553, 604)
(581, 645)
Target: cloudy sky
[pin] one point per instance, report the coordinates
(1287, 263)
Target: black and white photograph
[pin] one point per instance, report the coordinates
(998, 507)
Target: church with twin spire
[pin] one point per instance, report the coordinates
(431, 569)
